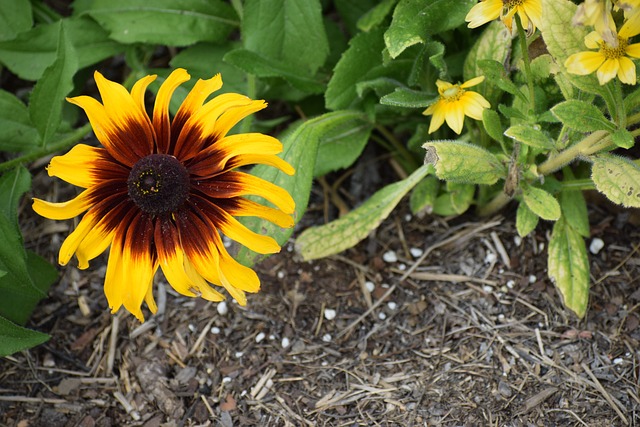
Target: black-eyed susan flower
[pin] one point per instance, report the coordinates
(161, 191)
(530, 12)
(454, 103)
(609, 60)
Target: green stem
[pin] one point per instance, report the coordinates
(619, 115)
(527, 64)
(578, 184)
(399, 148)
(494, 205)
(565, 157)
(65, 142)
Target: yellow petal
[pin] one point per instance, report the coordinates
(474, 103)
(74, 239)
(75, 166)
(138, 90)
(472, 82)
(233, 229)
(63, 210)
(627, 71)
(455, 116)
(608, 70)
(196, 97)
(633, 50)
(533, 10)
(443, 86)
(259, 187)
(483, 12)
(95, 242)
(233, 115)
(438, 116)
(593, 40)
(245, 207)
(161, 107)
(584, 63)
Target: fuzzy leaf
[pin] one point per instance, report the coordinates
(415, 21)
(541, 203)
(574, 210)
(424, 195)
(623, 138)
(463, 162)
(526, 220)
(530, 135)
(408, 98)
(582, 116)
(343, 233)
(617, 178)
(492, 124)
(568, 266)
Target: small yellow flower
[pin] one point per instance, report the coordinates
(609, 60)
(530, 12)
(455, 102)
(597, 13)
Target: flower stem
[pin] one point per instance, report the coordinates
(497, 203)
(584, 147)
(527, 64)
(64, 143)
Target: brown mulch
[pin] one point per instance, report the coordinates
(428, 322)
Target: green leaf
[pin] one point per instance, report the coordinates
(346, 232)
(33, 51)
(407, 98)
(254, 63)
(363, 54)
(16, 130)
(350, 11)
(492, 124)
(456, 200)
(14, 338)
(290, 32)
(617, 178)
(168, 22)
(568, 266)
(582, 116)
(341, 142)
(13, 185)
(492, 44)
(415, 21)
(574, 210)
(45, 104)
(623, 138)
(15, 17)
(530, 135)
(562, 40)
(541, 203)
(376, 15)
(495, 73)
(300, 150)
(526, 220)
(424, 195)
(462, 162)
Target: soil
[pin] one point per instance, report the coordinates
(428, 322)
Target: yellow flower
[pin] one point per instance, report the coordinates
(609, 60)
(455, 102)
(530, 12)
(597, 13)
(161, 191)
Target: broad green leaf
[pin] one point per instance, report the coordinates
(415, 21)
(541, 202)
(33, 51)
(254, 63)
(300, 150)
(428, 64)
(563, 39)
(582, 116)
(14, 338)
(456, 200)
(364, 53)
(492, 124)
(526, 220)
(286, 31)
(168, 22)
(495, 73)
(15, 17)
(408, 98)
(530, 135)
(45, 104)
(16, 130)
(617, 178)
(568, 266)
(574, 210)
(462, 162)
(13, 185)
(494, 43)
(347, 231)
(623, 138)
(204, 60)
(424, 195)
(341, 143)
(376, 15)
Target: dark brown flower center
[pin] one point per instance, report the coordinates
(158, 184)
